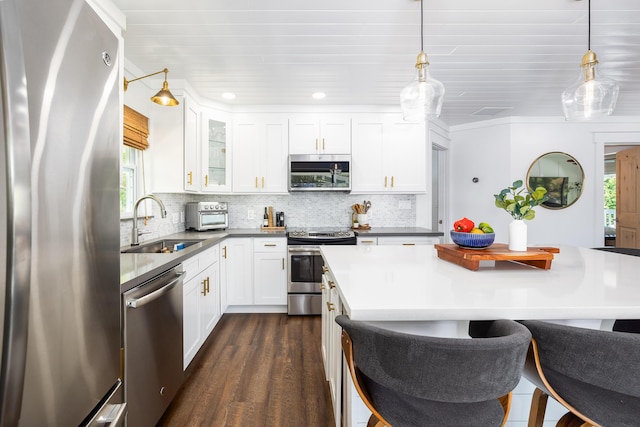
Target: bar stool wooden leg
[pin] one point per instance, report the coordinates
(570, 420)
(538, 408)
(375, 422)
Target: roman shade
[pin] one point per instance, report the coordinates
(136, 129)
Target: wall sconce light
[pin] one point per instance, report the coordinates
(164, 96)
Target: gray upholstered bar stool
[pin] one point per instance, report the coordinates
(594, 374)
(410, 380)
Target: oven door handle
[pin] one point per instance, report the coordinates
(313, 250)
(146, 299)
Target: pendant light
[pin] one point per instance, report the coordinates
(164, 96)
(423, 96)
(593, 95)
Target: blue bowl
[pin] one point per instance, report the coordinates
(472, 240)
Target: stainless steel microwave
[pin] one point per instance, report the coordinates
(203, 216)
(319, 172)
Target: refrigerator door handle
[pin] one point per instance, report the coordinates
(16, 197)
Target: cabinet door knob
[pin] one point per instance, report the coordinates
(325, 269)
(331, 306)
(331, 284)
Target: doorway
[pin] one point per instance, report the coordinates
(619, 198)
(627, 198)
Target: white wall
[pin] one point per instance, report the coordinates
(500, 151)
(482, 151)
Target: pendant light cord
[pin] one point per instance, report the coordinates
(589, 25)
(422, 27)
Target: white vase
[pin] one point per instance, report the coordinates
(518, 235)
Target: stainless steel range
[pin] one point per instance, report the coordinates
(305, 267)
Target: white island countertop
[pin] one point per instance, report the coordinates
(410, 283)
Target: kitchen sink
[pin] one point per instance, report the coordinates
(161, 246)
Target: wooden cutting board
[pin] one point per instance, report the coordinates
(539, 257)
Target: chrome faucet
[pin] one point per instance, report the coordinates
(134, 232)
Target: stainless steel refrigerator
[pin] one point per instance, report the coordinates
(59, 216)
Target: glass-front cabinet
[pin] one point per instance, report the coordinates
(216, 151)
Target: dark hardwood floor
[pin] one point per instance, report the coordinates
(256, 370)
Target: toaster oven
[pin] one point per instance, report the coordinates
(203, 216)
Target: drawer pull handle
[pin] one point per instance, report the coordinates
(331, 306)
(325, 269)
(331, 284)
(408, 244)
(270, 244)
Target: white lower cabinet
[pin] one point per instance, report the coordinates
(201, 300)
(237, 271)
(254, 273)
(332, 343)
(270, 271)
(408, 240)
(398, 240)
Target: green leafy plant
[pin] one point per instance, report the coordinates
(520, 203)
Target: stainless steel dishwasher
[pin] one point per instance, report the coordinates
(153, 346)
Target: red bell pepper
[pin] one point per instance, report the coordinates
(464, 225)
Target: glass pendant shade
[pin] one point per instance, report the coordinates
(592, 96)
(423, 96)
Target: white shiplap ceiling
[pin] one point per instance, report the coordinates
(495, 57)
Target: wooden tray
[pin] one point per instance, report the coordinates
(273, 228)
(362, 228)
(540, 257)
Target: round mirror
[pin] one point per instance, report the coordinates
(561, 175)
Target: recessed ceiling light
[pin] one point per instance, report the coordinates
(229, 95)
(319, 95)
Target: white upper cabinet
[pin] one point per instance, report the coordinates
(311, 134)
(174, 147)
(190, 149)
(260, 154)
(192, 139)
(388, 155)
(215, 176)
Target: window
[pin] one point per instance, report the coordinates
(128, 179)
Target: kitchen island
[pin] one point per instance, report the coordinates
(410, 289)
(391, 283)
